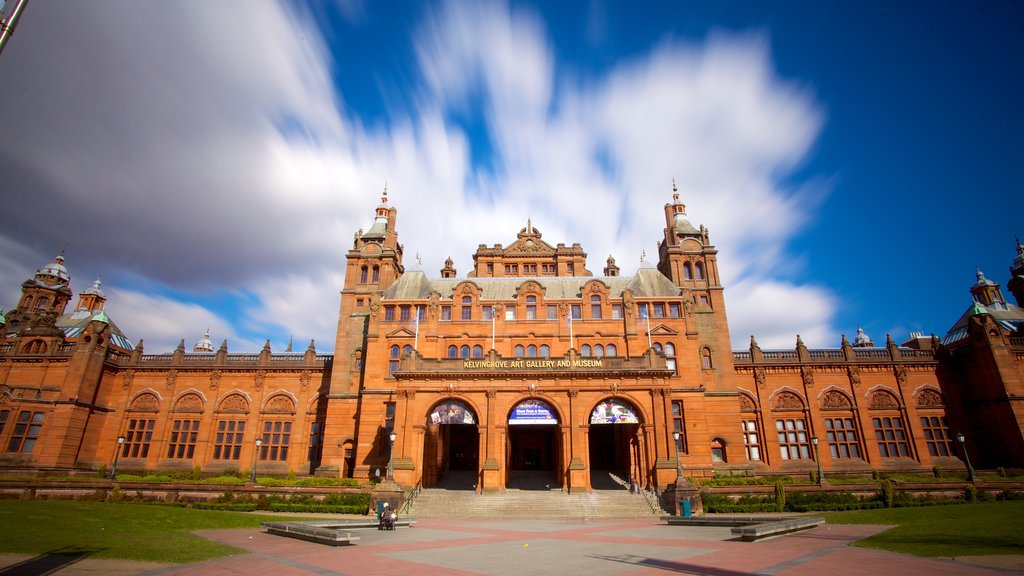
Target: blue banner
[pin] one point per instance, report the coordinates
(532, 412)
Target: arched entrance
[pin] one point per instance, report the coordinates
(534, 447)
(451, 447)
(614, 444)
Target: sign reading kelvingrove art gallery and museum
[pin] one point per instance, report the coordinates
(523, 363)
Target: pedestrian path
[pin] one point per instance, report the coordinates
(633, 547)
(524, 547)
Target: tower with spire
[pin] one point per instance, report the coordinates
(1016, 283)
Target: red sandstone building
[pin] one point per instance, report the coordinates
(528, 370)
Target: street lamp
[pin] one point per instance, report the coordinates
(391, 456)
(967, 459)
(817, 459)
(679, 465)
(252, 474)
(117, 452)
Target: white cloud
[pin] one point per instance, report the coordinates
(229, 162)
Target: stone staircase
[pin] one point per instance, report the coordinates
(535, 503)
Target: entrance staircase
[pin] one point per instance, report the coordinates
(532, 503)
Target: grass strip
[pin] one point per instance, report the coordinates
(127, 531)
(943, 531)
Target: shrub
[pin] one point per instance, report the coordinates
(101, 472)
(780, 497)
(971, 493)
(115, 495)
(937, 471)
(887, 493)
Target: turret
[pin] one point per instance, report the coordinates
(1016, 283)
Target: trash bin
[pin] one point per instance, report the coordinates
(380, 510)
(687, 510)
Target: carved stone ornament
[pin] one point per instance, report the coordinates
(214, 379)
(234, 403)
(614, 388)
(452, 389)
(760, 375)
(532, 389)
(170, 378)
(808, 377)
(374, 307)
(563, 309)
(260, 378)
(901, 374)
(688, 307)
(929, 399)
(280, 404)
(304, 379)
(433, 310)
(835, 400)
(787, 401)
(189, 403)
(467, 289)
(145, 403)
(883, 400)
(854, 373)
(747, 404)
(573, 393)
(491, 393)
(129, 377)
(406, 394)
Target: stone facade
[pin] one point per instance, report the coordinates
(529, 369)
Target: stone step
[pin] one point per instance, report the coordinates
(436, 503)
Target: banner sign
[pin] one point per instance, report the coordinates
(452, 412)
(533, 412)
(614, 412)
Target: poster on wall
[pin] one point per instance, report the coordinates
(613, 412)
(452, 412)
(532, 412)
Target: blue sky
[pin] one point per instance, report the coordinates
(854, 162)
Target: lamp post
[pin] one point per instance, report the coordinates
(679, 465)
(391, 456)
(255, 455)
(967, 459)
(817, 459)
(117, 453)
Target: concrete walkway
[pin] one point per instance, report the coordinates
(631, 547)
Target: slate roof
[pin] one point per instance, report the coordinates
(73, 323)
(648, 283)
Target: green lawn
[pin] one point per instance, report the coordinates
(954, 530)
(134, 531)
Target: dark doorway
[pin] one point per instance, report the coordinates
(533, 451)
(451, 456)
(612, 458)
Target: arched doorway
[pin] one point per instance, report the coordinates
(614, 444)
(534, 447)
(451, 450)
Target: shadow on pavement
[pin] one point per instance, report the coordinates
(670, 566)
(47, 563)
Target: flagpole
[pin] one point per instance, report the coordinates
(648, 315)
(416, 344)
(492, 328)
(571, 345)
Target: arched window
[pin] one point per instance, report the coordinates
(612, 350)
(670, 355)
(467, 308)
(595, 307)
(598, 350)
(41, 303)
(478, 351)
(453, 351)
(519, 351)
(393, 361)
(585, 350)
(699, 269)
(464, 351)
(531, 351)
(705, 358)
(531, 307)
(406, 349)
(545, 351)
(687, 271)
(657, 346)
(376, 274)
(363, 275)
(718, 453)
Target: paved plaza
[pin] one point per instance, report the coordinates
(541, 547)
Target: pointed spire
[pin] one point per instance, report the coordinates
(844, 343)
(181, 346)
(675, 191)
(223, 346)
(312, 346)
(289, 349)
(529, 225)
(266, 347)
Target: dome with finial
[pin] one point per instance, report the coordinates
(54, 271)
(95, 289)
(204, 344)
(862, 340)
(982, 281)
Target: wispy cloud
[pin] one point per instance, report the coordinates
(229, 162)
